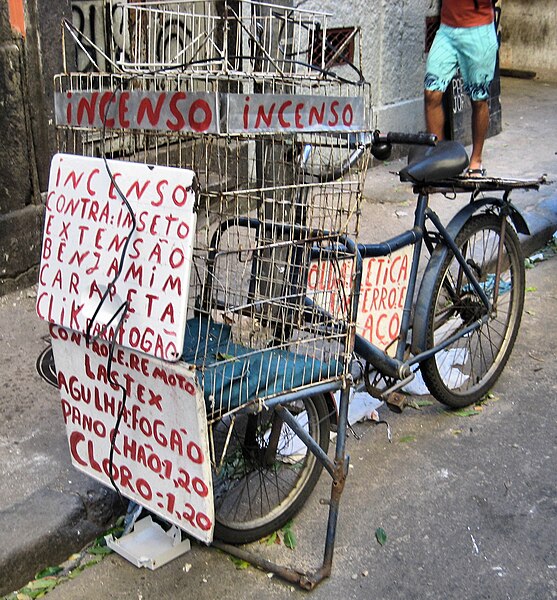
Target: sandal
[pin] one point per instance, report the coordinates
(481, 172)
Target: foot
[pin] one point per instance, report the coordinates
(476, 172)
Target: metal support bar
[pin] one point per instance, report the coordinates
(312, 445)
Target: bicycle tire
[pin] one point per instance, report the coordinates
(255, 496)
(466, 370)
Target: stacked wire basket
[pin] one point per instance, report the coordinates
(270, 307)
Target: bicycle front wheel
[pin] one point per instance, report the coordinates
(263, 472)
(464, 372)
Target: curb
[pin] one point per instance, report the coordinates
(51, 524)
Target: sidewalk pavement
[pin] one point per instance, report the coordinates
(48, 510)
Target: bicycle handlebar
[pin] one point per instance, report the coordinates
(394, 137)
(380, 146)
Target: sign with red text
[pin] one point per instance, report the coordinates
(97, 267)
(208, 112)
(382, 293)
(160, 456)
(275, 113)
(135, 109)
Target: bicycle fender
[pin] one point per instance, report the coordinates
(458, 221)
(425, 296)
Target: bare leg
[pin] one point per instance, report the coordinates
(480, 124)
(434, 113)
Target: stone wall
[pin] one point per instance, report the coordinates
(29, 56)
(20, 207)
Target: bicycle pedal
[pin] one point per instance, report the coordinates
(396, 402)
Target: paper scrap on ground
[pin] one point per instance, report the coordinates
(449, 362)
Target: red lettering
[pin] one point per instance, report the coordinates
(347, 115)
(146, 108)
(298, 115)
(282, 110)
(266, 118)
(123, 109)
(86, 105)
(207, 116)
(334, 120)
(179, 122)
(315, 115)
(106, 99)
(246, 113)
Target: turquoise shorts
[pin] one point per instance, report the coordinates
(472, 49)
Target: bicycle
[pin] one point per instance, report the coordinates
(459, 331)
(277, 270)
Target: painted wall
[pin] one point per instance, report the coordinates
(529, 32)
(393, 35)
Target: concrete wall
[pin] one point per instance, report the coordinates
(393, 36)
(529, 32)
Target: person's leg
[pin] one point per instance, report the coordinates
(477, 54)
(480, 125)
(434, 113)
(440, 69)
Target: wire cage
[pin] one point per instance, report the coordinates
(270, 309)
(230, 36)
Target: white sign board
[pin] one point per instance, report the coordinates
(161, 453)
(209, 112)
(196, 112)
(382, 293)
(276, 113)
(87, 224)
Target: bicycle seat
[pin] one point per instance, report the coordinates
(427, 164)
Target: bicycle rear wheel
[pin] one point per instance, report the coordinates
(463, 372)
(263, 472)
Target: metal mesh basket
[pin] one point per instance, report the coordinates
(231, 37)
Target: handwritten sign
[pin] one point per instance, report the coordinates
(382, 293)
(86, 228)
(135, 109)
(270, 113)
(207, 112)
(161, 453)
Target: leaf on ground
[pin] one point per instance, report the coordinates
(289, 539)
(418, 404)
(100, 550)
(272, 538)
(407, 438)
(239, 563)
(456, 431)
(531, 288)
(381, 536)
(465, 412)
(48, 572)
(41, 584)
(424, 402)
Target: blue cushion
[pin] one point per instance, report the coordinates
(232, 375)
